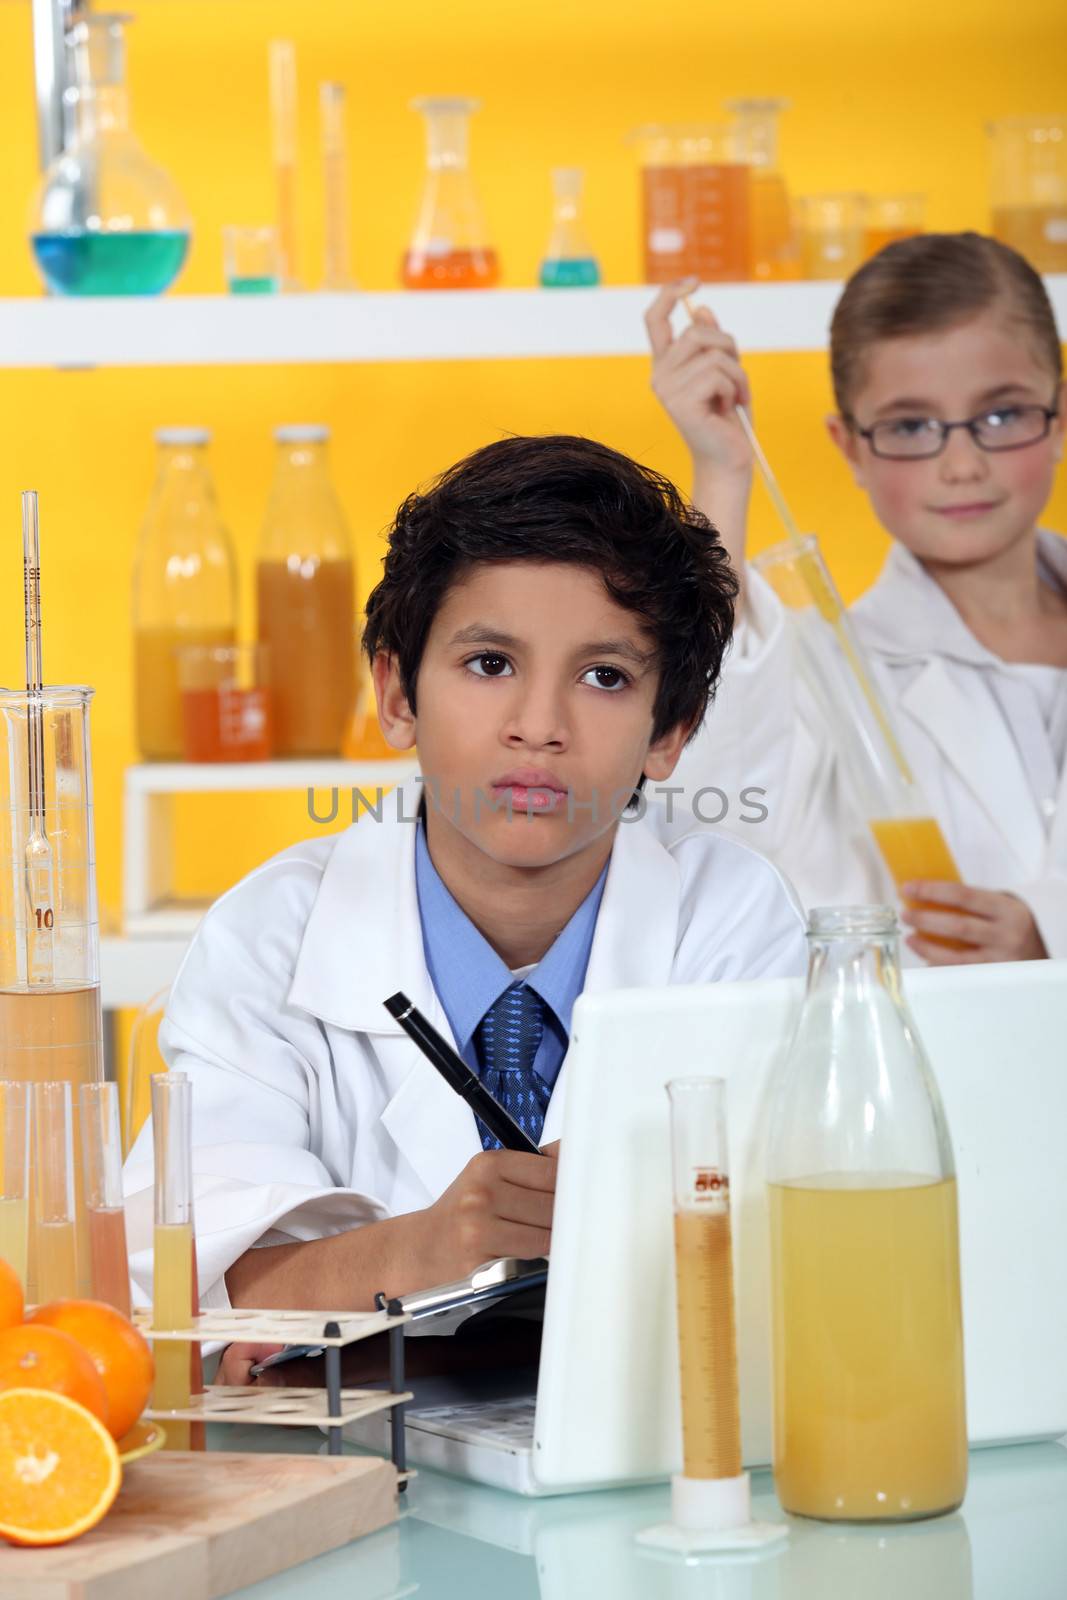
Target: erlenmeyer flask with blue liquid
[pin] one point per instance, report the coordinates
(107, 220)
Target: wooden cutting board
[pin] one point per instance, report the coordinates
(197, 1525)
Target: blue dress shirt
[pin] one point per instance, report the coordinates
(468, 975)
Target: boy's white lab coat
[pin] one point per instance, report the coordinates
(312, 1109)
(971, 728)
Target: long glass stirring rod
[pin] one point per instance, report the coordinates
(282, 63)
(38, 858)
(338, 272)
(828, 602)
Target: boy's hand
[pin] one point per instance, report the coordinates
(500, 1205)
(238, 1360)
(991, 925)
(700, 381)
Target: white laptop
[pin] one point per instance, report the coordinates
(606, 1409)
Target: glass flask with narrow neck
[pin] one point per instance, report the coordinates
(869, 1415)
(184, 586)
(107, 219)
(774, 249)
(569, 262)
(449, 248)
(305, 591)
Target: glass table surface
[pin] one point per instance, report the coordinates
(459, 1541)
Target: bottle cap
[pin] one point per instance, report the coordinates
(183, 435)
(302, 433)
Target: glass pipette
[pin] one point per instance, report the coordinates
(337, 276)
(826, 598)
(39, 860)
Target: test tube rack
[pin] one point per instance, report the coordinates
(330, 1408)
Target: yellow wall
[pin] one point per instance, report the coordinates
(889, 95)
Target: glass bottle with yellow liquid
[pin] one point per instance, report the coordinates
(184, 586)
(869, 1411)
(305, 593)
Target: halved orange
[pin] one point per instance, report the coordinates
(59, 1468)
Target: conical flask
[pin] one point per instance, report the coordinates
(869, 1414)
(569, 262)
(107, 219)
(184, 586)
(449, 248)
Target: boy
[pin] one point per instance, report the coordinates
(547, 633)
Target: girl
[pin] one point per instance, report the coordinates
(947, 374)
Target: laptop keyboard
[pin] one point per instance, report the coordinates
(508, 1424)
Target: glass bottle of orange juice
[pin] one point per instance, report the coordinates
(184, 586)
(869, 1413)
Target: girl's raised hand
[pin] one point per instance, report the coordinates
(700, 381)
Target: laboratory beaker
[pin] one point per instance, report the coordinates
(831, 234)
(695, 203)
(107, 220)
(883, 786)
(449, 248)
(50, 1030)
(305, 587)
(774, 249)
(226, 702)
(869, 1415)
(184, 586)
(569, 262)
(251, 259)
(890, 217)
(1028, 188)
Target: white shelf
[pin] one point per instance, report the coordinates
(238, 777)
(474, 324)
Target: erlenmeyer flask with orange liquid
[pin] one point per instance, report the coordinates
(869, 1407)
(774, 245)
(364, 739)
(449, 248)
(184, 587)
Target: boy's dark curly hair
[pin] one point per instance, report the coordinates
(570, 500)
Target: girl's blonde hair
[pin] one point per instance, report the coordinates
(932, 282)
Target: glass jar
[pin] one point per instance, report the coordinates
(869, 1412)
(1028, 188)
(184, 586)
(305, 592)
(107, 220)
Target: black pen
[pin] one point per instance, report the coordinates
(458, 1075)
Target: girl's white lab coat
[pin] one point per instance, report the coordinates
(312, 1109)
(971, 727)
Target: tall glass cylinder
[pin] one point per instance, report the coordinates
(56, 1260)
(869, 1411)
(15, 1177)
(50, 1020)
(172, 1271)
(306, 597)
(102, 1166)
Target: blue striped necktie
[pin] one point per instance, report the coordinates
(506, 1040)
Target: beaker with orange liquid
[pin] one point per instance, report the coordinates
(305, 593)
(696, 197)
(889, 218)
(226, 703)
(831, 234)
(1028, 188)
(184, 586)
(774, 246)
(869, 1408)
(449, 248)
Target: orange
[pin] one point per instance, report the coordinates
(119, 1353)
(45, 1358)
(59, 1468)
(11, 1305)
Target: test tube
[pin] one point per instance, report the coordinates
(337, 275)
(282, 60)
(172, 1270)
(102, 1167)
(56, 1254)
(14, 1176)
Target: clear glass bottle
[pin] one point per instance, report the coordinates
(569, 262)
(305, 589)
(107, 220)
(774, 249)
(1028, 188)
(869, 1412)
(184, 586)
(449, 248)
